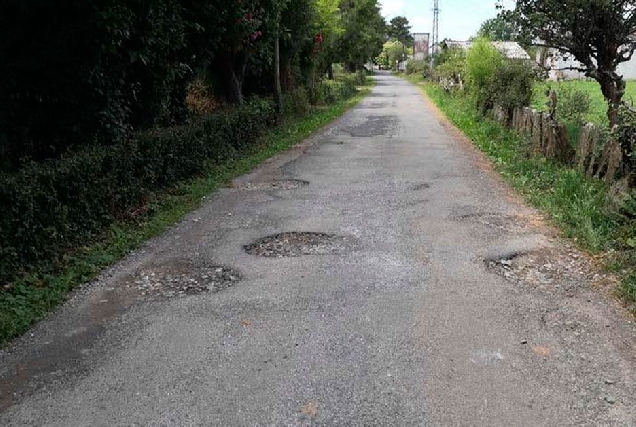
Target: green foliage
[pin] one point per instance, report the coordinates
(400, 30)
(392, 53)
(296, 102)
(511, 84)
(599, 34)
(572, 105)
(50, 207)
(482, 61)
(421, 67)
(504, 27)
(364, 33)
(333, 91)
(450, 64)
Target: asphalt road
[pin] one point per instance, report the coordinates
(437, 299)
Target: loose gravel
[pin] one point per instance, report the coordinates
(161, 283)
(277, 184)
(294, 244)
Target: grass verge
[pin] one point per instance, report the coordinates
(36, 295)
(577, 204)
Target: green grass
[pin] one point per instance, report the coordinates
(598, 106)
(36, 295)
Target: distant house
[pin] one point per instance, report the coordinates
(510, 50)
(563, 66)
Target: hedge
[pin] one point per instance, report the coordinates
(49, 208)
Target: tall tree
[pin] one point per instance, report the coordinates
(400, 30)
(598, 33)
(504, 28)
(364, 32)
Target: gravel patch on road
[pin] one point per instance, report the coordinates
(168, 284)
(277, 184)
(294, 244)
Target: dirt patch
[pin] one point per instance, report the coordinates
(294, 244)
(169, 282)
(277, 184)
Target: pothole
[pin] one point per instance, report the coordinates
(420, 187)
(277, 184)
(169, 283)
(373, 126)
(294, 244)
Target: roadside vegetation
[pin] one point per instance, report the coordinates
(579, 95)
(118, 117)
(475, 89)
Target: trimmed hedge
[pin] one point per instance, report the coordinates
(49, 208)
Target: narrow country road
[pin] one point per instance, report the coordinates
(428, 295)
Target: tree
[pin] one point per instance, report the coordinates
(504, 28)
(392, 53)
(364, 32)
(599, 34)
(400, 30)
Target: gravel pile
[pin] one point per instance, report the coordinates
(296, 244)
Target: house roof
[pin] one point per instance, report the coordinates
(511, 50)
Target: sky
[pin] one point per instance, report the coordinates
(458, 19)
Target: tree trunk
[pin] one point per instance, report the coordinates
(613, 89)
(231, 70)
(330, 72)
(277, 87)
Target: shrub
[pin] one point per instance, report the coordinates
(572, 104)
(511, 84)
(449, 68)
(332, 91)
(418, 66)
(296, 102)
(482, 61)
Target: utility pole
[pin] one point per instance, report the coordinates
(435, 26)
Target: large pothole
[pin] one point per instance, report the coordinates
(294, 244)
(277, 184)
(170, 282)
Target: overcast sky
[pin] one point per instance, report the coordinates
(458, 19)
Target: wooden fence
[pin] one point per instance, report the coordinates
(596, 156)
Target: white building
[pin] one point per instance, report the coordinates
(562, 66)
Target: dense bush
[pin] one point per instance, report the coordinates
(572, 105)
(511, 84)
(482, 62)
(421, 67)
(449, 67)
(296, 102)
(332, 91)
(49, 207)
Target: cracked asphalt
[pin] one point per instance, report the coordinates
(408, 323)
